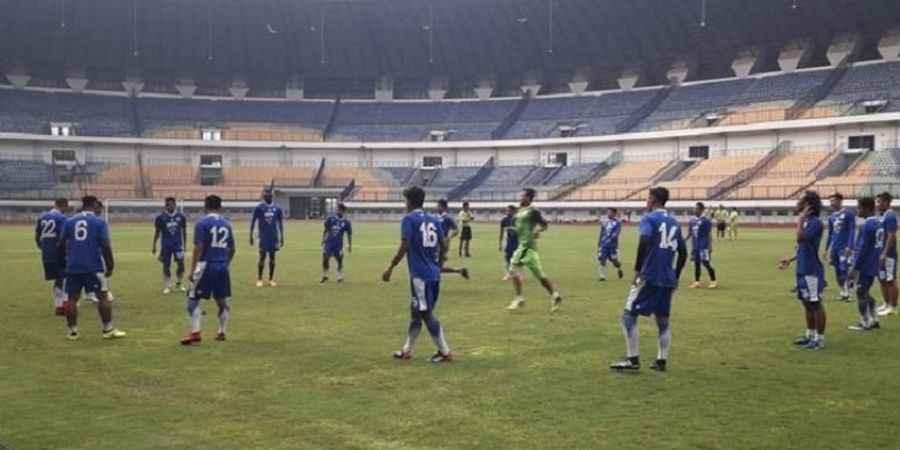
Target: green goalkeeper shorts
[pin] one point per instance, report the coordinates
(527, 258)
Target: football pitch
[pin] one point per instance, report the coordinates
(308, 365)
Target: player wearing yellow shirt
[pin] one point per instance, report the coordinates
(733, 217)
(465, 218)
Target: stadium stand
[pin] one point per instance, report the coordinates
(786, 176)
(622, 181)
(707, 178)
(876, 171)
(21, 174)
(26, 111)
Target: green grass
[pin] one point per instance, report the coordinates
(308, 365)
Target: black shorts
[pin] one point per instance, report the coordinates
(52, 271)
(466, 233)
(720, 226)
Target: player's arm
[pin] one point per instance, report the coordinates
(709, 240)
(890, 240)
(851, 235)
(253, 224)
(195, 258)
(682, 258)
(540, 222)
(280, 224)
(398, 257)
(37, 234)
(232, 249)
(156, 234)
(801, 224)
(324, 231)
(350, 237)
(643, 244)
(502, 232)
(184, 233)
(106, 251)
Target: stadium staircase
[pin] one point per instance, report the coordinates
(348, 191)
(317, 179)
(136, 117)
(332, 120)
(143, 187)
(635, 118)
(510, 120)
(837, 164)
(806, 102)
(595, 174)
(540, 175)
(745, 175)
(469, 185)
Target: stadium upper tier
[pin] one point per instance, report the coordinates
(862, 89)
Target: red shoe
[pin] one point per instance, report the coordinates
(220, 337)
(402, 355)
(59, 311)
(191, 338)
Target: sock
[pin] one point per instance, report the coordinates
(59, 297)
(167, 281)
(555, 295)
(862, 306)
(437, 335)
(632, 334)
(415, 326)
(73, 329)
(180, 280)
(820, 339)
(194, 314)
(602, 270)
(325, 271)
(107, 326)
(271, 270)
(873, 312)
(224, 314)
(665, 337)
(810, 333)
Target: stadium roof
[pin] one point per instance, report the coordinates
(339, 44)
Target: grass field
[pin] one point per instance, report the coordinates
(308, 366)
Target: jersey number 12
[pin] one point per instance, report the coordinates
(219, 237)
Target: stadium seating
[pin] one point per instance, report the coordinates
(256, 176)
(686, 103)
(786, 176)
(878, 170)
(90, 115)
(23, 174)
(621, 182)
(591, 114)
(704, 178)
(503, 183)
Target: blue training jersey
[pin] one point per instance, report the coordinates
(217, 238)
(271, 222)
(868, 248)
(171, 228)
(841, 229)
(48, 231)
(659, 256)
(84, 235)
(335, 228)
(508, 226)
(424, 234)
(447, 223)
(700, 228)
(889, 227)
(808, 262)
(609, 234)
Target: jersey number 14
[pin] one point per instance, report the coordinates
(667, 237)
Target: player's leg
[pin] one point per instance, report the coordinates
(429, 292)
(224, 305)
(165, 257)
(96, 283)
(179, 271)
(601, 266)
(697, 271)
(705, 259)
(507, 256)
(272, 267)
(862, 305)
(260, 266)
(339, 257)
(468, 243)
(614, 259)
(59, 295)
(194, 316)
(665, 341)
(412, 334)
(74, 285)
(516, 264)
(326, 267)
(533, 263)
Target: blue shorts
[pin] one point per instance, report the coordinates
(508, 253)
(211, 280)
(837, 260)
(166, 254)
(333, 252)
(608, 253)
(268, 245)
(89, 282)
(809, 288)
(864, 283)
(644, 300)
(700, 255)
(424, 294)
(887, 272)
(52, 271)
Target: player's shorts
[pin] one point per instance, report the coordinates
(720, 226)
(608, 253)
(53, 271)
(809, 288)
(333, 252)
(211, 280)
(700, 255)
(645, 300)
(733, 226)
(508, 254)
(888, 271)
(424, 294)
(166, 254)
(864, 283)
(837, 260)
(466, 233)
(528, 258)
(268, 245)
(89, 282)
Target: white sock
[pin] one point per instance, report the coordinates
(665, 340)
(340, 274)
(602, 270)
(325, 273)
(632, 339)
(59, 297)
(441, 343)
(224, 314)
(106, 326)
(820, 338)
(810, 333)
(555, 295)
(194, 319)
(167, 281)
(411, 337)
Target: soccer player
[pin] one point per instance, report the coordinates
(508, 234)
(271, 235)
(421, 242)
(88, 254)
(810, 273)
(213, 251)
(721, 219)
(733, 217)
(529, 226)
(864, 267)
(841, 231)
(700, 232)
(171, 226)
(608, 243)
(47, 233)
(336, 227)
(887, 273)
(465, 218)
(655, 280)
(448, 226)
